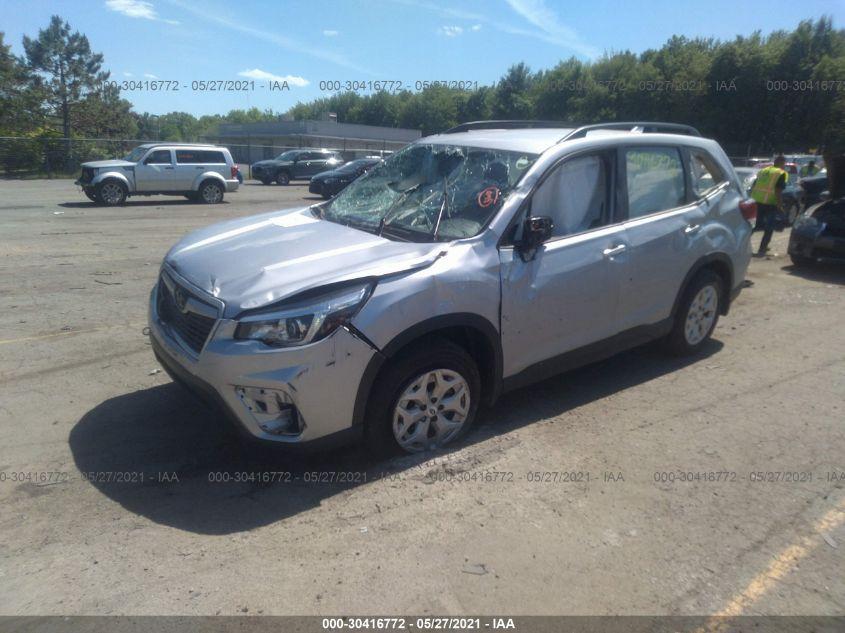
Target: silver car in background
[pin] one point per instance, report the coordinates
(470, 263)
(203, 173)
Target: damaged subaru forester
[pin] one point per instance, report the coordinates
(470, 263)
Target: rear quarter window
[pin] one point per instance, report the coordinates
(705, 172)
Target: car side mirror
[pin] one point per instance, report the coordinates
(536, 230)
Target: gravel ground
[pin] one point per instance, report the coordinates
(475, 530)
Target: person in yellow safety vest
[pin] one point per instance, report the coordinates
(809, 169)
(767, 192)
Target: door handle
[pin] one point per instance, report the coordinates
(168, 167)
(616, 250)
(692, 228)
(199, 167)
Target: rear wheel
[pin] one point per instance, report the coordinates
(283, 178)
(111, 193)
(697, 314)
(211, 192)
(428, 398)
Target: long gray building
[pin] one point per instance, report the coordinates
(250, 142)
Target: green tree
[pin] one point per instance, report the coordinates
(64, 67)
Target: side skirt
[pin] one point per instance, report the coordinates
(588, 354)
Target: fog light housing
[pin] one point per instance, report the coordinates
(272, 410)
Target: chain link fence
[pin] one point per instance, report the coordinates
(25, 157)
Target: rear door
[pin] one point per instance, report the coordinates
(664, 221)
(155, 172)
(316, 162)
(190, 163)
(566, 296)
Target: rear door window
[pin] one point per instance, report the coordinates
(655, 180)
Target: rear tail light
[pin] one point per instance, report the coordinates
(235, 171)
(748, 208)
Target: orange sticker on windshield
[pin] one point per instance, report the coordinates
(488, 197)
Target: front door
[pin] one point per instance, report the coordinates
(155, 172)
(565, 296)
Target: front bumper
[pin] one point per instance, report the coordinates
(316, 186)
(321, 379)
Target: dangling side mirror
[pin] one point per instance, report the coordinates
(536, 230)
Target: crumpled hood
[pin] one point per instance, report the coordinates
(255, 261)
(115, 162)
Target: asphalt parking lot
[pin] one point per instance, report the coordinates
(756, 527)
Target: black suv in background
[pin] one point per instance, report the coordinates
(329, 183)
(295, 164)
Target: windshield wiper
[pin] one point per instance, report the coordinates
(399, 200)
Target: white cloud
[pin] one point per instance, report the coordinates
(476, 27)
(544, 18)
(562, 37)
(331, 33)
(450, 31)
(150, 76)
(296, 46)
(126, 74)
(137, 9)
(257, 73)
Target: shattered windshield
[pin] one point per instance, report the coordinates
(430, 191)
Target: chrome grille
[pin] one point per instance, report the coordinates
(187, 315)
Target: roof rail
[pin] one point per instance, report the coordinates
(506, 125)
(649, 127)
(158, 143)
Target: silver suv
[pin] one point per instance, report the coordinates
(469, 263)
(199, 172)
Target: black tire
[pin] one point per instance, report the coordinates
(210, 192)
(800, 261)
(677, 342)
(90, 193)
(114, 190)
(283, 178)
(427, 355)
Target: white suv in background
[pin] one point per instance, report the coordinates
(198, 172)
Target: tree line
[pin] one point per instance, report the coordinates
(756, 93)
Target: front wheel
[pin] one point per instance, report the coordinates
(111, 193)
(90, 193)
(697, 314)
(426, 399)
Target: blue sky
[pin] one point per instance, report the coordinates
(307, 42)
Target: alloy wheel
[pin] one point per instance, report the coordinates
(701, 315)
(431, 410)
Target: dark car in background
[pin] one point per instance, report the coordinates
(330, 183)
(813, 188)
(819, 234)
(295, 164)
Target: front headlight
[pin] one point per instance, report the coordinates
(305, 322)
